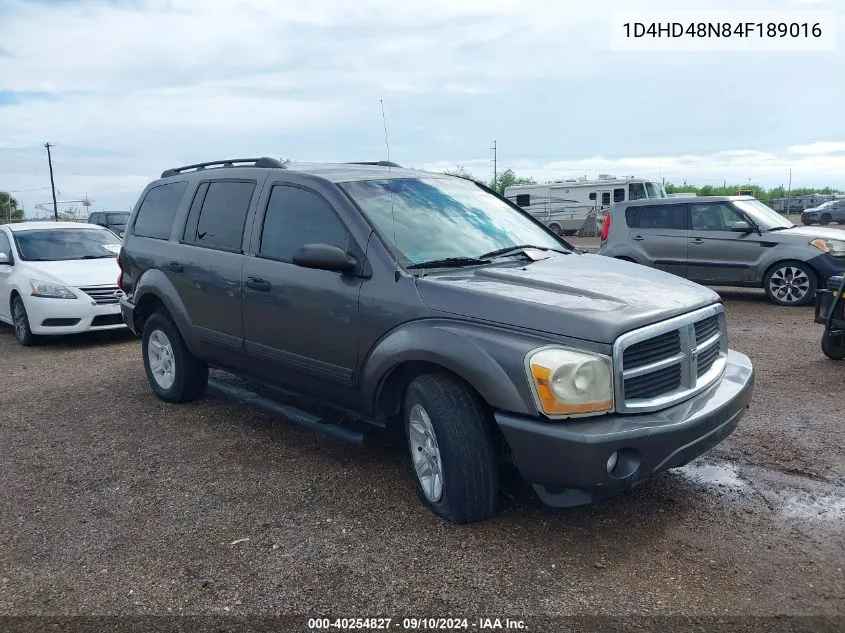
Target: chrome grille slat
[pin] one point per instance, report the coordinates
(102, 295)
(662, 364)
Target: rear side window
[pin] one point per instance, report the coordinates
(218, 214)
(664, 216)
(619, 195)
(296, 217)
(155, 217)
(523, 199)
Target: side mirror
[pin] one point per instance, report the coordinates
(5, 260)
(324, 257)
(740, 227)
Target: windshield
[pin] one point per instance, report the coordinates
(442, 218)
(654, 190)
(118, 219)
(53, 245)
(764, 217)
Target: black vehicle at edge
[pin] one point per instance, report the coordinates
(395, 296)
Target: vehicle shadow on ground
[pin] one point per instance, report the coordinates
(71, 341)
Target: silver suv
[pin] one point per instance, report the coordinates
(726, 241)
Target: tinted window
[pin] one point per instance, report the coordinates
(94, 219)
(5, 246)
(618, 195)
(219, 222)
(713, 216)
(296, 217)
(155, 217)
(523, 199)
(636, 191)
(664, 216)
(605, 198)
(118, 219)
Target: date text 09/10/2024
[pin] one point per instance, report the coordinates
(415, 624)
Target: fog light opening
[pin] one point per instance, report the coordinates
(623, 463)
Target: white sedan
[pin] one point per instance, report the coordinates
(58, 278)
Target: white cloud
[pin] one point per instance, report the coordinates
(822, 147)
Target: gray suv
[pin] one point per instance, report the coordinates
(394, 297)
(726, 241)
(832, 211)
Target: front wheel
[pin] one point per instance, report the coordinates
(174, 373)
(833, 346)
(452, 448)
(825, 219)
(790, 284)
(20, 321)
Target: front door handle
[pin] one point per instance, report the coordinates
(639, 238)
(259, 285)
(175, 267)
(697, 240)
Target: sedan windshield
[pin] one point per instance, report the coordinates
(54, 245)
(763, 216)
(431, 219)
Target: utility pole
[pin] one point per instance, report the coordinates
(52, 184)
(495, 171)
(788, 192)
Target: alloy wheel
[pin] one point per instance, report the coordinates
(162, 361)
(425, 453)
(789, 284)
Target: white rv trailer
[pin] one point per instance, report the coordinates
(564, 206)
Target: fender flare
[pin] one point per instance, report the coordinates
(155, 283)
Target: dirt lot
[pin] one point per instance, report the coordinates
(116, 503)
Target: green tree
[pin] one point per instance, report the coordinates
(9, 210)
(461, 172)
(507, 179)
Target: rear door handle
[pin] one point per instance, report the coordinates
(639, 238)
(175, 267)
(259, 285)
(697, 240)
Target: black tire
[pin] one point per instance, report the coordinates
(570, 233)
(20, 323)
(781, 271)
(555, 228)
(189, 376)
(825, 219)
(833, 346)
(467, 448)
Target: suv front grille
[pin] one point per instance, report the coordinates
(103, 295)
(665, 363)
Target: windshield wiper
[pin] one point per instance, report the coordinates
(521, 247)
(450, 262)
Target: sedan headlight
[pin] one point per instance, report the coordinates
(569, 382)
(50, 290)
(832, 247)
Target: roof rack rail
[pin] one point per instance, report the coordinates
(377, 163)
(264, 161)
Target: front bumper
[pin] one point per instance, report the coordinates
(567, 462)
(70, 316)
(827, 266)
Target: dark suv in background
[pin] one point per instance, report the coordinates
(394, 296)
(114, 221)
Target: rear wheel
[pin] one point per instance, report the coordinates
(825, 219)
(452, 448)
(555, 228)
(174, 373)
(833, 346)
(20, 321)
(790, 284)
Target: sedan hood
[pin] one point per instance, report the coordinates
(76, 272)
(589, 297)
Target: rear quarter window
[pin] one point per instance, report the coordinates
(157, 211)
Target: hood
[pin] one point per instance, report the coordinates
(812, 232)
(76, 272)
(589, 297)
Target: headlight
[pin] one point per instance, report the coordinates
(50, 290)
(569, 382)
(833, 247)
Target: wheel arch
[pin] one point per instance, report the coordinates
(154, 292)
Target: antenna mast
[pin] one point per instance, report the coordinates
(390, 185)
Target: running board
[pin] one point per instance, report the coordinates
(288, 412)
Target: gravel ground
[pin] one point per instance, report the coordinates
(116, 503)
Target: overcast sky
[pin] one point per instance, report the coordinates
(125, 89)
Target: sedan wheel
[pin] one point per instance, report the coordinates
(790, 284)
(20, 321)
